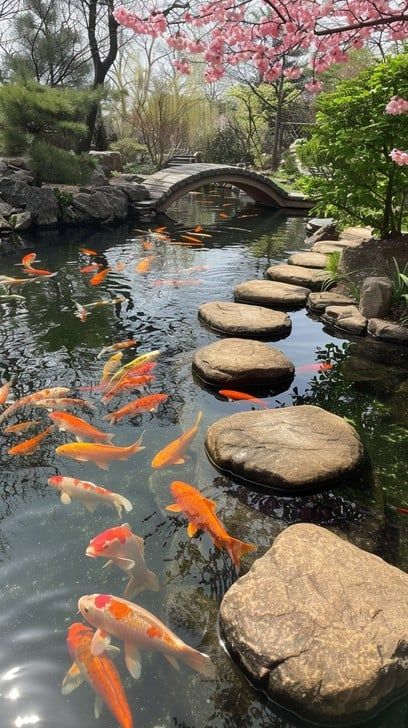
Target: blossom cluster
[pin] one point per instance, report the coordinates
(399, 157)
(396, 106)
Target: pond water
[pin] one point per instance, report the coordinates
(44, 569)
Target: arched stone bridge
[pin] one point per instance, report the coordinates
(168, 185)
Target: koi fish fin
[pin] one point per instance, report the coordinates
(198, 661)
(98, 706)
(132, 659)
(102, 465)
(109, 437)
(65, 498)
(174, 508)
(89, 506)
(79, 438)
(108, 563)
(237, 549)
(181, 461)
(72, 680)
(112, 651)
(120, 502)
(198, 420)
(126, 564)
(152, 582)
(172, 661)
(100, 642)
(191, 530)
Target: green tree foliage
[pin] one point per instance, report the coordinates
(49, 47)
(48, 125)
(226, 147)
(350, 147)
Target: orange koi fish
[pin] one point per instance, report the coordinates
(223, 215)
(99, 454)
(174, 452)
(129, 343)
(88, 251)
(99, 277)
(28, 259)
(5, 391)
(91, 268)
(111, 366)
(200, 512)
(137, 407)
(30, 399)
(53, 403)
(315, 367)
(191, 239)
(98, 672)
(198, 229)
(20, 427)
(160, 229)
(139, 629)
(147, 245)
(89, 494)
(126, 551)
(231, 394)
(120, 266)
(140, 369)
(29, 446)
(39, 272)
(142, 359)
(145, 264)
(81, 429)
(128, 384)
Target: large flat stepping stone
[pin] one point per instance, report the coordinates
(309, 260)
(289, 449)
(333, 246)
(243, 320)
(346, 318)
(321, 624)
(242, 362)
(321, 299)
(297, 275)
(271, 293)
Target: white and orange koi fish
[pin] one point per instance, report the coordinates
(89, 494)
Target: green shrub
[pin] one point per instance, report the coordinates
(130, 149)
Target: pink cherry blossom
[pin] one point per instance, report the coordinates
(399, 157)
(396, 106)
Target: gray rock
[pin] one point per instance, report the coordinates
(134, 192)
(320, 300)
(109, 161)
(321, 624)
(326, 232)
(297, 275)
(93, 206)
(388, 330)
(22, 175)
(43, 204)
(98, 177)
(375, 297)
(22, 220)
(332, 246)
(14, 192)
(309, 260)
(118, 201)
(4, 168)
(319, 223)
(271, 293)
(346, 318)
(292, 448)
(5, 225)
(241, 319)
(6, 209)
(241, 361)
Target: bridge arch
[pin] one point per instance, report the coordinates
(167, 186)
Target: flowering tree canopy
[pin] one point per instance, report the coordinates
(395, 107)
(268, 32)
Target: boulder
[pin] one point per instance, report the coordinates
(375, 297)
(271, 293)
(242, 362)
(319, 223)
(321, 625)
(297, 275)
(14, 192)
(241, 319)
(388, 330)
(109, 161)
(346, 318)
(5, 225)
(22, 220)
(320, 300)
(309, 260)
(6, 209)
(333, 246)
(43, 204)
(326, 232)
(134, 192)
(118, 201)
(95, 206)
(290, 449)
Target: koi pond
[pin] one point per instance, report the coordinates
(47, 341)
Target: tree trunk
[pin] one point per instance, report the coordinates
(276, 146)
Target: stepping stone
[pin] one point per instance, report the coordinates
(388, 331)
(297, 275)
(346, 318)
(243, 320)
(318, 222)
(358, 233)
(321, 625)
(309, 260)
(333, 246)
(242, 362)
(288, 449)
(271, 293)
(320, 300)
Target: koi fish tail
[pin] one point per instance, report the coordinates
(136, 445)
(198, 661)
(237, 549)
(122, 503)
(109, 437)
(111, 418)
(134, 587)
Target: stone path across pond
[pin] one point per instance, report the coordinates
(240, 319)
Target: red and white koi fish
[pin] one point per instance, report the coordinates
(315, 367)
(81, 429)
(174, 452)
(30, 399)
(98, 672)
(139, 629)
(236, 396)
(52, 403)
(29, 446)
(200, 512)
(99, 454)
(143, 404)
(125, 550)
(129, 343)
(89, 494)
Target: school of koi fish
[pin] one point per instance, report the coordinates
(110, 615)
